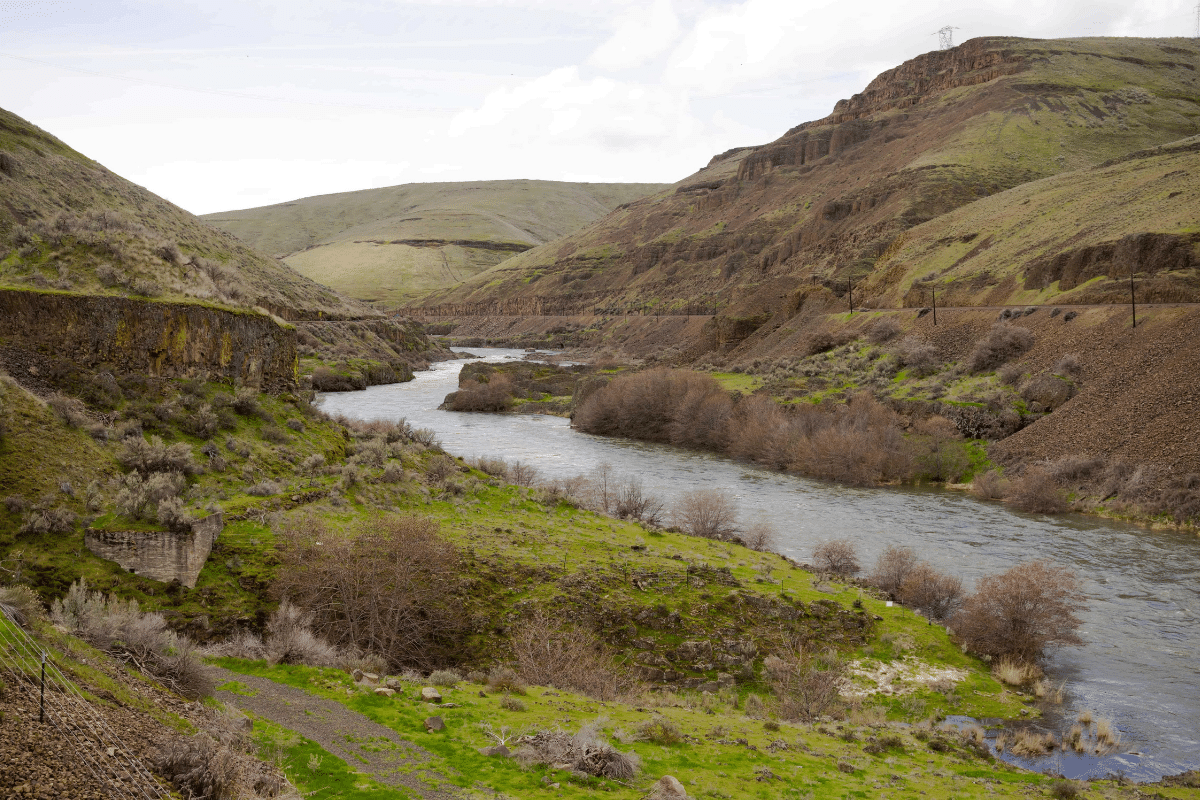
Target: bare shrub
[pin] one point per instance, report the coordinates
(660, 730)
(44, 519)
(1010, 374)
(439, 468)
(1075, 468)
(510, 703)
(505, 679)
(1001, 344)
(143, 640)
(805, 683)
(760, 535)
(1022, 612)
(634, 502)
(218, 762)
(929, 591)
(892, 567)
(943, 458)
(245, 402)
(444, 677)
(264, 488)
(522, 474)
(1048, 391)
(154, 456)
(172, 513)
(838, 556)
(1036, 492)
(495, 394)
(290, 639)
(550, 653)
(1069, 366)
(426, 437)
(989, 485)
(496, 467)
(22, 605)
(138, 497)
(584, 752)
(678, 406)
(71, 410)
(883, 330)
(709, 513)
(918, 356)
(384, 584)
(858, 443)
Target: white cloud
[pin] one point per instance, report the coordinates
(640, 36)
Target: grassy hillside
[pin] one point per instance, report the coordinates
(400, 242)
(831, 200)
(68, 223)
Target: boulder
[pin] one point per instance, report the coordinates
(357, 675)
(496, 750)
(383, 691)
(668, 788)
(371, 676)
(726, 680)
(431, 695)
(394, 683)
(435, 724)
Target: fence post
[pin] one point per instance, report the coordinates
(42, 701)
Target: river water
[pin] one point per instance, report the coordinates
(1140, 666)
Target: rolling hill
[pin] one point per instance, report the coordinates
(866, 194)
(400, 242)
(69, 224)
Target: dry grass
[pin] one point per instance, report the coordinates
(1015, 673)
(1030, 743)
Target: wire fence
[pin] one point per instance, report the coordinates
(63, 707)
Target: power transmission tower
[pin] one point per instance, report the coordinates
(946, 37)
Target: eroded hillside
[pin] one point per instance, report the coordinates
(831, 200)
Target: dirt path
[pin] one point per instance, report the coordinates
(365, 745)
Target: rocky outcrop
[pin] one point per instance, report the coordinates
(1139, 253)
(169, 340)
(160, 555)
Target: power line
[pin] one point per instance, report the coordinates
(945, 37)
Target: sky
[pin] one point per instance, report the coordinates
(227, 104)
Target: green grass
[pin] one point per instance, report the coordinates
(313, 770)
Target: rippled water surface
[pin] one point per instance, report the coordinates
(1139, 667)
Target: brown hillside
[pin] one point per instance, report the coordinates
(827, 200)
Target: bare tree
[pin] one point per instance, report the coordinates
(760, 535)
(634, 501)
(805, 683)
(383, 585)
(892, 567)
(838, 556)
(1022, 612)
(929, 591)
(551, 653)
(1037, 492)
(710, 513)
(522, 474)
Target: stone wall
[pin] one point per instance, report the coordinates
(170, 340)
(161, 555)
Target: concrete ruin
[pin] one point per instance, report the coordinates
(160, 555)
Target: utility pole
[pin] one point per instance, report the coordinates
(945, 37)
(934, 306)
(850, 289)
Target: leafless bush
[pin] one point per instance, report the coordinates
(1036, 492)
(495, 394)
(760, 535)
(139, 497)
(72, 410)
(496, 467)
(917, 355)
(931, 592)
(1047, 391)
(892, 567)
(943, 458)
(290, 639)
(989, 485)
(143, 640)
(172, 513)
(1010, 374)
(1022, 612)
(522, 474)
(426, 437)
(22, 605)
(1069, 366)
(883, 330)
(824, 339)
(677, 406)
(551, 653)
(709, 513)
(585, 752)
(1002, 343)
(444, 677)
(805, 683)
(439, 468)
(218, 762)
(245, 402)
(838, 556)
(634, 502)
(858, 443)
(384, 585)
(154, 456)
(1075, 468)
(505, 679)
(43, 519)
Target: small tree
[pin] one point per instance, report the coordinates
(929, 591)
(806, 684)
(892, 567)
(838, 556)
(1022, 612)
(1037, 493)
(711, 513)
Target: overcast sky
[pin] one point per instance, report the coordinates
(225, 104)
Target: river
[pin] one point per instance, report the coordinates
(1139, 666)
